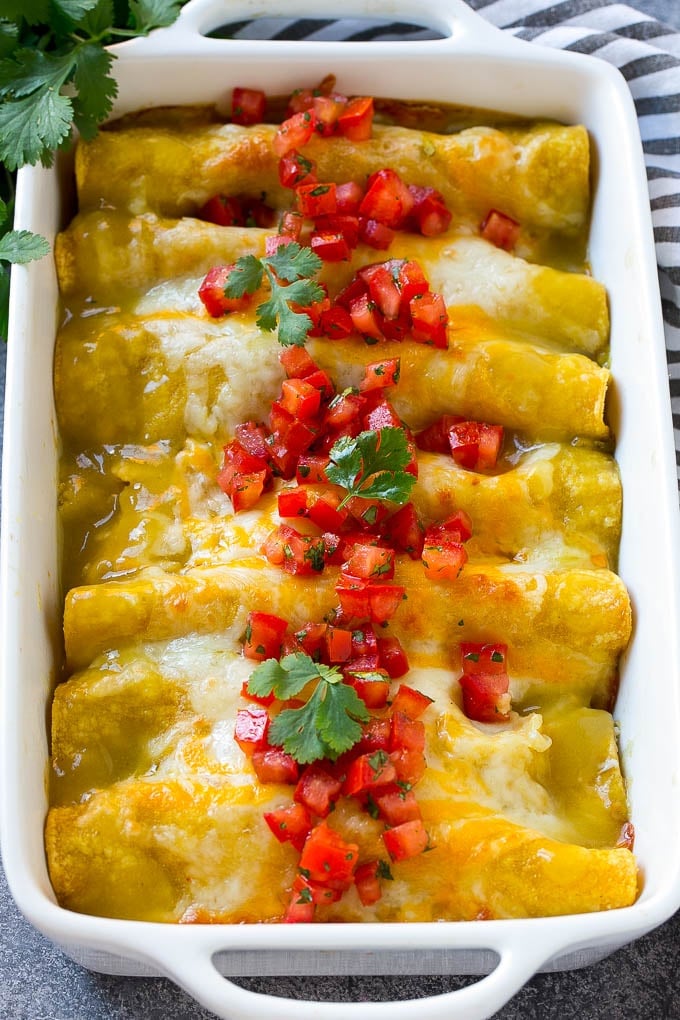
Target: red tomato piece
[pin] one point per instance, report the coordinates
(369, 685)
(429, 213)
(366, 318)
(211, 293)
(405, 532)
(344, 408)
(456, 528)
(301, 100)
(251, 728)
(500, 230)
(486, 696)
(377, 235)
(295, 169)
(412, 281)
(409, 765)
(392, 657)
(378, 602)
(328, 109)
(292, 503)
(223, 210)
(330, 247)
(328, 859)
(253, 439)
(356, 120)
(387, 199)
(297, 362)
(490, 658)
(265, 700)
(263, 637)
(311, 468)
(375, 737)
(406, 733)
(338, 644)
(296, 553)
(316, 199)
(406, 840)
(343, 224)
(371, 562)
(382, 416)
(300, 398)
(317, 789)
(242, 476)
(273, 765)
(368, 771)
(291, 224)
(430, 319)
(348, 196)
(321, 381)
(367, 883)
(380, 374)
(397, 804)
(324, 512)
(247, 106)
(364, 642)
(290, 824)
(445, 561)
(294, 133)
(382, 288)
(408, 701)
(475, 445)
(301, 908)
(435, 438)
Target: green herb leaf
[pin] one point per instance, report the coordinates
(96, 89)
(31, 127)
(371, 465)
(149, 14)
(22, 246)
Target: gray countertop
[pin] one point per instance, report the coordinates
(37, 982)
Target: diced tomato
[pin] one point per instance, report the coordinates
(435, 438)
(409, 765)
(364, 642)
(317, 199)
(445, 561)
(324, 512)
(328, 859)
(211, 293)
(348, 196)
(368, 771)
(338, 644)
(382, 416)
(429, 213)
(264, 700)
(343, 224)
(406, 840)
(295, 434)
(366, 600)
(292, 503)
(252, 438)
(251, 728)
(475, 445)
(291, 224)
(223, 210)
(375, 737)
(387, 199)
(330, 247)
(300, 398)
(371, 562)
(296, 553)
(264, 634)
(366, 318)
(317, 789)
(242, 476)
(372, 686)
(397, 804)
(368, 663)
(382, 288)
(367, 882)
(344, 408)
(410, 702)
(377, 235)
(356, 120)
(392, 657)
(290, 824)
(247, 106)
(297, 362)
(311, 638)
(490, 658)
(328, 109)
(311, 468)
(321, 381)
(295, 169)
(380, 374)
(294, 133)
(405, 532)
(412, 281)
(455, 528)
(301, 908)
(430, 318)
(406, 733)
(272, 765)
(486, 696)
(500, 230)
(301, 100)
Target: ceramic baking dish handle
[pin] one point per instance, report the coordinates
(193, 968)
(453, 18)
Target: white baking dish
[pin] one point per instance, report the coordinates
(477, 66)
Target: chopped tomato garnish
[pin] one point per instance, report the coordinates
(348, 196)
(292, 503)
(295, 169)
(253, 439)
(406, 840)
(317, 199)
(311, 468)
(328, 109)
(397, 804)
(211, 293)
(242, 476)
(369, 685)
(247, 106)
(356, 120)
(486, 696)
(429, 213)
(272, 765)
(375, 736)
(392, 657)
(300, 398)
(387, 199)
(222, 210)
(251, 728)
(338, 644)
(408, 701)
(488, 658)
(367, 600)
(297, 362)
(291, 224)
(377, 235)
(263, 637)
(264, 700)
(317, 789)
(430, 318)
(295, 132)
(330, 247)
(328, 859)
(409, 765)
(297, 554)
(323, 511)
(290, 824)
(371, 562)
(367, 882)
(456, 528)
(368, 771)
(405, 532)
(475, 445)
(500, 230)
(339, 223)
(444, 562)
(380, 374)
(406, 733)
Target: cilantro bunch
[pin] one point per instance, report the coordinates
(55, 74)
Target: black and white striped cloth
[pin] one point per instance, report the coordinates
(644, 50)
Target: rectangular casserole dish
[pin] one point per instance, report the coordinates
(474, 66)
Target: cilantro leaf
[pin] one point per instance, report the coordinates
(22, 246)
(148, 14)
(327, 724)
(31, 127)
(371, 466)
(293, 264)
(31, 70)
(96, 88)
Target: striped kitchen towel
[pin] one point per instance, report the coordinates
(645, 51)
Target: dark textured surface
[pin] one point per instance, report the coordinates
(37, 982)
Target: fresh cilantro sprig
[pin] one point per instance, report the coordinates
(327, 724)
(295, 266)
(371, 465)
(54, 70)
(16, 247)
